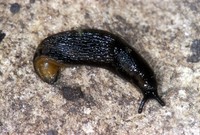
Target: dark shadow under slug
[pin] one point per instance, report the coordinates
(95, 48)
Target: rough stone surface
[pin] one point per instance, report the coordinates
(161, 30)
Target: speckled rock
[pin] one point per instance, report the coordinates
(163, 32)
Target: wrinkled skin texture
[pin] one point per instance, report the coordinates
(95, 48)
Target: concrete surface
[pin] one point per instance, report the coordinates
(165, 32)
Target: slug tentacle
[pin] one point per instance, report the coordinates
(148, 96)
(142, 104)
(95, 48)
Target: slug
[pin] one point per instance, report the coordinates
(95, 48)
(2, 35)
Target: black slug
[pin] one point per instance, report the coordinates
(95, 48)
(2, 35)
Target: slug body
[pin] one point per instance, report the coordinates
(95, 48)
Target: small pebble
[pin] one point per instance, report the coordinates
(195, 49)
(52, 132)
(72, 94)
(15, 7)
(32, 1)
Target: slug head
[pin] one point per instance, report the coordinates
(47, 69)
(150, 94)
